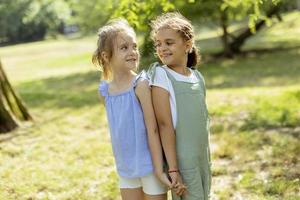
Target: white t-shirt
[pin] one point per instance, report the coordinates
(162, 80)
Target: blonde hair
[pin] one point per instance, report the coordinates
(105, 43)
(177, 22)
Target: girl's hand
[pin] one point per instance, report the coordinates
(180, 189)
(177, 183)
(164, 179)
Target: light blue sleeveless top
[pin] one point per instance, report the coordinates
(127, 130)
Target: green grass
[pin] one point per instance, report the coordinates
(254, 102)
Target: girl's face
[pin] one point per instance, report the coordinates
(171, 48)
(125, 52)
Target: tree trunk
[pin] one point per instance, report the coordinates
(11, 106)
(7, 122)
(225, 39)
(237, 43)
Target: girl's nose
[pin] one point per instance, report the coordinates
(134, 51)
(163, 47)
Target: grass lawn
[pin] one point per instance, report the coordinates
(254, 102)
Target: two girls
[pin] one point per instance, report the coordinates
(178, 95)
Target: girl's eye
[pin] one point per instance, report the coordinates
(169, 43)
(123, 47)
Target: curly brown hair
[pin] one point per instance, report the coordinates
(177, 22)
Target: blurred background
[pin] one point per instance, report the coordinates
(54, 139)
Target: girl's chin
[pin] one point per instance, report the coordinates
(166, 62)
(132, 66)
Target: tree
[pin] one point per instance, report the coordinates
(30, 20)
(12, 108)
(224, 12)
(258, 12)
(235, 45)
(90, 15)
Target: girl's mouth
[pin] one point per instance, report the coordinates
(131, 60)
(166, 55)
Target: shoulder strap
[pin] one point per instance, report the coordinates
(151, 71)
(170, 76)
(201, 80)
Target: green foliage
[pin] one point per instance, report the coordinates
(139, 14)
(90, 15)
(27, 20)
(66, 154)
(225, 12)
(235, 9)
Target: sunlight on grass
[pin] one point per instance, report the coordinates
(254, 103)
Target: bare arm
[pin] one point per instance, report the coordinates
(143, 93)
(163, 115)
(162, 110)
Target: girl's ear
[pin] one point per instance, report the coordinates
(189, 46)
(104, 56)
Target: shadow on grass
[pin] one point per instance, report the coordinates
(279, 68)
(278, 48)
(79, 90)
(74, 91)
(213, 46)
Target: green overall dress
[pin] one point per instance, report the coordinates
(192, 137)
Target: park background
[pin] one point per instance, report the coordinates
(54, 141)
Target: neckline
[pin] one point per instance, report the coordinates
(173, 79)
(121, 92)
(171, 70)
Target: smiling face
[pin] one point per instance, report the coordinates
(125, 52)
(171, 48)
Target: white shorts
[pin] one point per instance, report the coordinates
(150, 184)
